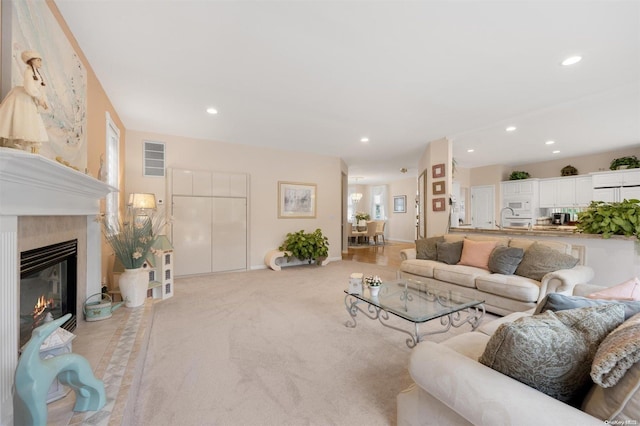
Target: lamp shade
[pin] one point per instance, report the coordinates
(142, 201)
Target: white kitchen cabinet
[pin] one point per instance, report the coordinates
(572, 191)
(616, 186)
(519, 188)
(584, 191)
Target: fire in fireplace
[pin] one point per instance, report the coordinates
(48, 278)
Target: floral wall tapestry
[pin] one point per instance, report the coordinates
(35, 28)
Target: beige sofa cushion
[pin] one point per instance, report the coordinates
(525, 244)
(458, 274)
(421, 267)
(469, 344)
(511, 286)
(620, 402)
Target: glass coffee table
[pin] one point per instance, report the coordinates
(416, 302)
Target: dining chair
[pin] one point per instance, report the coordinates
(380, 224)
(370, 233)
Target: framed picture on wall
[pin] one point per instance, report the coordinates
(296, 200)
(439, 187)
(439, 204)
(437, 171)
(400, 204)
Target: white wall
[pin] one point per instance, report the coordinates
(266, 167)
(402, 226)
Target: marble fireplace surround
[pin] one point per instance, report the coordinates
(42, 202)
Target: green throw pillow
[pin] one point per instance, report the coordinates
(449, 252)
(539, 260)
(505, 260)
(552, 352)
(426, 248)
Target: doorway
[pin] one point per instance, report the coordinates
(483, 206)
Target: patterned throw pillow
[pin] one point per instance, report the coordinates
(476, 253)
(617, 353)
(552, 352)
(539, 260)
(505, 260)
(449, 252)
(426, 248)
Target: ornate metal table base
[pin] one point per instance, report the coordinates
(456, 319)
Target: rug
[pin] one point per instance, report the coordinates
(271, 348)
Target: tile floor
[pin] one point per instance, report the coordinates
(115, 348)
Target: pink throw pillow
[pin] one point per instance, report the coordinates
(628, 290)
(476, 253)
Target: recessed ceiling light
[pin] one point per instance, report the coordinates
(510, 128)
(571, 60)
(470, 150)
(364, 140)
(550, 142)
(212, 111)
(556, 152)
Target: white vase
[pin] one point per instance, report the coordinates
(374, 291)
(134, 284)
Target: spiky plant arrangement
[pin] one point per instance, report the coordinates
(131, 238)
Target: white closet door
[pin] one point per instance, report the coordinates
(192, 234)
(229, 234)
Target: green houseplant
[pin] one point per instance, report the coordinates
(362, 216)
(517, 175)
(611, 219)
(306, 246)
(630, 162)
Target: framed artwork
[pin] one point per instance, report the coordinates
(437, 171)
(296, 200)
(400, 204)
(439, 204)
(439, 187)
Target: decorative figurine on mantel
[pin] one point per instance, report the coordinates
(21, 125)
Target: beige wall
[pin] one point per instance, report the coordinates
(585, 164)
(266, 167)
(402, 226)
(436, 152)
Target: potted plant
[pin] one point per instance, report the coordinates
(132, 239)
(374, 283)
(611, 219)
(630, 162)
(312, 247)
(517, 175)
(362, 218)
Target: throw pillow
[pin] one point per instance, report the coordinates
(552, 352)
(628, 290)
(539, 260)
(476, 253)
(449, 252)
(505, 260)
(560, 302)
(617, 353)
(426, 248)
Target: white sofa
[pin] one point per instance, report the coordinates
(502, 294)
(452, 388)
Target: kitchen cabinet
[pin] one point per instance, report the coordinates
(570, 191)
(519, 188)
(615, 186)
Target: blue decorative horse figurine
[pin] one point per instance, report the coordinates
(34, 377)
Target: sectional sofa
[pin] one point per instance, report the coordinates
(509, 274)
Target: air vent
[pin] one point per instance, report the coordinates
(153, 158)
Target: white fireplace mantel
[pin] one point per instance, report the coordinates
(32, 185)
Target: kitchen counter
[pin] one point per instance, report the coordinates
(542, 231)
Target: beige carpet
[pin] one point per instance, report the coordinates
(270, 348)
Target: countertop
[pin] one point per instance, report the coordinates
(543, 231)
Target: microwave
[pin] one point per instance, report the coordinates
(518, 204)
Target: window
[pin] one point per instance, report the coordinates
(113, 171)
(167, 259)
(379, 199)
(167, 274)
(153, 158)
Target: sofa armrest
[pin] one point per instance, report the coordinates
(564, 280)
(484, 396)
(407, 254)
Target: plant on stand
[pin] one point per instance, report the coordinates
(306, 246)
(132, 239)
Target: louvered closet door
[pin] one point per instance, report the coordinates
(229, 234)
(192, 234)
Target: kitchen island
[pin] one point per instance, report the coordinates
(613, 260)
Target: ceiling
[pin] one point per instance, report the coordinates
(317, 76)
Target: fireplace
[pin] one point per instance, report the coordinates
(48, 280)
